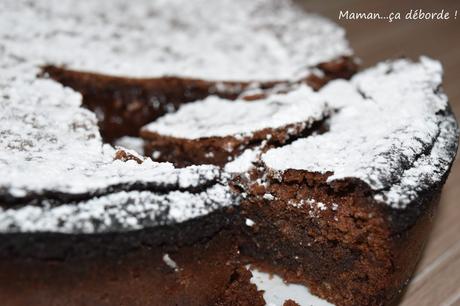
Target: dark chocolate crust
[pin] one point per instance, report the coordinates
(127, 104)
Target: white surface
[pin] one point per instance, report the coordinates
(132, 143)
(116, 212)
(209, 39)
(277, 291)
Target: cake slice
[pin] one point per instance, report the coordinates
(347, 212)
(216, 130)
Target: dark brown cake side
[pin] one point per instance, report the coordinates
(124, 105)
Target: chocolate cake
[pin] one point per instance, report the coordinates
(274, 165)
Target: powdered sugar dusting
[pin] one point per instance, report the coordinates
(208, 39)
(121, 211)
(49, 144)
(391, 131)
(428, 169)
(219, 117)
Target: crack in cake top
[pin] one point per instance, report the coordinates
(259, 40)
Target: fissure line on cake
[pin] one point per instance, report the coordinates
(123, 112)
(118, 211)
(295, 131)
(428, 148)
(53, 198)
(400, 199)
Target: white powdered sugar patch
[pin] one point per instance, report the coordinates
(244, 162)
(219, 117)
(207, 39)
(170, 262)
(249, 222)
(392, 130)
(132, 143)
(428, 169)
(268, 197)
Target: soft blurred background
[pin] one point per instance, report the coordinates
(437, 280)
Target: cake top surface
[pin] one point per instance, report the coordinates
(218, 117)
(392, 129)
(207, 39)
(58, 175)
